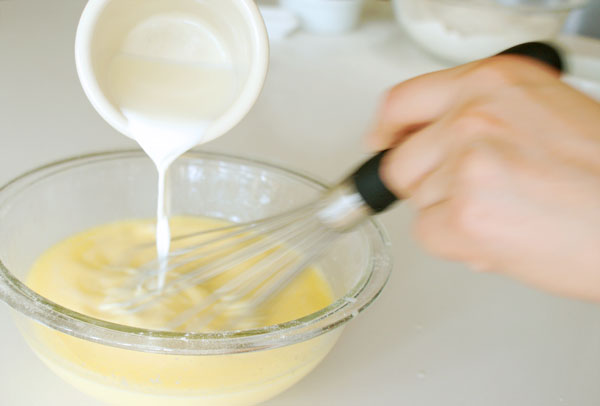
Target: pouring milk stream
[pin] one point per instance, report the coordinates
(171, 74)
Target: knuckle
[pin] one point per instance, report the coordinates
(475, 167)
(495, 71)
(470, 217)
(391, 97)
(475, 120)
(479, 172)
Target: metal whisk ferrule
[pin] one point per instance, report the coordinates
(342, 208)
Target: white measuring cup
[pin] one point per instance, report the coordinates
(198, 31)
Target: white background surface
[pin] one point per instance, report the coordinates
(438, 335)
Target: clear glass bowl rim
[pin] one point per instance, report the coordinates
(25, 301)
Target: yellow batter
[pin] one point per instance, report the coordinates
(82, 272)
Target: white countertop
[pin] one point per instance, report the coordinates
(438, 335)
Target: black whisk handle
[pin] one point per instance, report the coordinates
(369, 185)
(366, 178)
(539, 51)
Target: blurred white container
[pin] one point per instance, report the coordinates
(280, 22)
(326, 16)
(464, 30)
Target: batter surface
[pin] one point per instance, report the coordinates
(81, 273)
(91, 270)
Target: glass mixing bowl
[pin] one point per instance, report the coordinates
(58, 200)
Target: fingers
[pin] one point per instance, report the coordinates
(435, 231)
(411, 105)
(414, 104)
(458, 203)
(439, 232)
(435, 188)
(405, 166)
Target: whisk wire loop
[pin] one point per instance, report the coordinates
(255, 260)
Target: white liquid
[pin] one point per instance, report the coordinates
(171, 79)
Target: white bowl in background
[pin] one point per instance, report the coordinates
(460, 31)
(326, 16)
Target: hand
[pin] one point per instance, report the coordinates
(502, 161)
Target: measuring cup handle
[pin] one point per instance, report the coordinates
(366, 178)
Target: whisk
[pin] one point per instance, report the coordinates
(249, 263)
